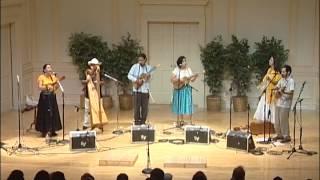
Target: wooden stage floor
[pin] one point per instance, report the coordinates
(220, 160)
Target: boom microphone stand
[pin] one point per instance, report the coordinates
(300, 150)
(117, 131)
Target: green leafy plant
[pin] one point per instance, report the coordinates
(263, 51)
(238, 64)
(83, 47)
(213, 58)
(123, 56)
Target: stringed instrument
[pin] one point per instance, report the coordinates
(183, 82)
(98, 115)
(144, 77)
(54, 83)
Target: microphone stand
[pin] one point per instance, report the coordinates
(20, 148)
(148, 170)
(63, 141)
(116, 131)
(178, 125)
(302, 151)
(264, 114)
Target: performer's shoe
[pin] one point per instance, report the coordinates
(84, 127)
(43, 134)
(286, 140)
(277, 138)
(52, 134)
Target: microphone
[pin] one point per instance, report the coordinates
(300, 100)
(304, 82)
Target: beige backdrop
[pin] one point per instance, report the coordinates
(35, 32)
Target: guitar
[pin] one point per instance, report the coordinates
(144, 77)
(183, 82)
(51, 87)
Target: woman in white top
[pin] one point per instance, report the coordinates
(182, 95)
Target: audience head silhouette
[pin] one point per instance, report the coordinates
(42, 175)
(16, 175)
(238, 173)
(199, 176)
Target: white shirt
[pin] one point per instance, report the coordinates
(135, 72)
(285, 100)
(181, 73)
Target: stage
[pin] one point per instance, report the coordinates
(215, 159)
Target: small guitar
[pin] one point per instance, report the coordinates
(144, 77)
(183, 82)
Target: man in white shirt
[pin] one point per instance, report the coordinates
(139, 74)
(284, 92)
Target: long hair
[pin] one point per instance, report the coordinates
(180, 60)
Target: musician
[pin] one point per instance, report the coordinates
(90, 73)
(268, 98)
(48, 117)
(182, 95)
(285, 90)
(141, 92)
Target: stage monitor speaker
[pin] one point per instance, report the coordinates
(142, 133)
(82, 140)
(197, 134)
(240, 140)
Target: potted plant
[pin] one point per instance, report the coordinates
(83, 47)
(123, 56)
(213, 58)
(237, 58)
(263, 51)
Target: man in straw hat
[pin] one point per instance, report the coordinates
(90, 73)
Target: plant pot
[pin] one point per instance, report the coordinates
(213, 103)
(125, 101)
(107, 102)
(240, 103)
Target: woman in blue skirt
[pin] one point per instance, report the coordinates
(182, 94)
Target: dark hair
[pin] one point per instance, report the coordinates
(16, 175)
(276, 64)
(288, 68)
(180, 60)
(87, 176)
(199, 176)
(44, 67)
(57, 175)
(122, 176)
(42, 175)
(277, 178)
(238, 173)
(142, 55)
(157, 173)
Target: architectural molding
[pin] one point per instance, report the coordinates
(174, 2)
(11, 3)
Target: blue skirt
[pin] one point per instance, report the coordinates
(182, 101)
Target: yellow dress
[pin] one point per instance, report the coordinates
(48, 81)
(275, 77)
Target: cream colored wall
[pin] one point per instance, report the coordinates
(43, 27)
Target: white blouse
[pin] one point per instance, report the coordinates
(182, 72)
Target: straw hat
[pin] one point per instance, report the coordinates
(94, 61)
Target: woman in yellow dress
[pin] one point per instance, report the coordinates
(48, 117)
(268, 96)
